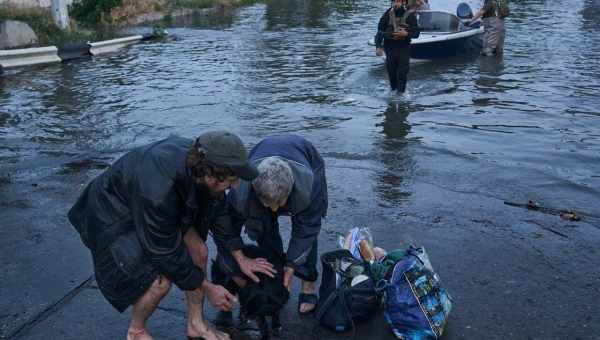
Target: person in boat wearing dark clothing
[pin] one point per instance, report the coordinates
(146, 220)
(291, 182)
(397, 26)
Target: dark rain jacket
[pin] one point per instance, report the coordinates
(307, 203)
(149, 191)
(385, 29)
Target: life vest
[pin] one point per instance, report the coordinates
(398, 22)
(502, 10)
(498, 8)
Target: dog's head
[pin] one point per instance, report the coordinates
(267, 297)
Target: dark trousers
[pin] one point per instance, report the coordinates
(397, 63)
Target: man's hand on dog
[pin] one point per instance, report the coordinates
(219, 296)
(250, 266)
(288, 275)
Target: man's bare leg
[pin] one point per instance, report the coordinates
(308, 287)
(196, 325)
(145, 306)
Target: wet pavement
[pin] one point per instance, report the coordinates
(431, 168)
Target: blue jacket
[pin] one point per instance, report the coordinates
(307, 203)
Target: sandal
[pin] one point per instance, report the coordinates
(309, 298)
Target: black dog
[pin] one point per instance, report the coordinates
(259, 300)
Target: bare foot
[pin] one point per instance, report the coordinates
(206, 332)
(306, 307)
(138, 334)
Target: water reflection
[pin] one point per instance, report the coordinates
(65, 96)
(285, 14)
(304, 66)
(490, 72)
(393, 154)
(591, 15)
(211, 19)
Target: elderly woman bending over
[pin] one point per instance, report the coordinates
(291, 182)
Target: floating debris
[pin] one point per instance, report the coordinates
(568, 215)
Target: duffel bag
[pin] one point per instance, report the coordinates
(347, 293)
(415, 304)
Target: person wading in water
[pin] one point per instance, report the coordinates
(493, 13)
(397, 26)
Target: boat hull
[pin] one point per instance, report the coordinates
(430, 46)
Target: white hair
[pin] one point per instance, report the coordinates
(275, 180)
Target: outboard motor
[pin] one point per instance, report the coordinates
(463, 11)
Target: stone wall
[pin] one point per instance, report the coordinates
(30, 3)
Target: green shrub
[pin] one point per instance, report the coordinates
(92, 12)
(42, 24)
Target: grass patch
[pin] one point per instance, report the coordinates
(48, 34)
(93, 12)
(95, 20)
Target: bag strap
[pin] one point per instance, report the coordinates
(429, 321)
(326, 304)
(341, 293)
(347, 310)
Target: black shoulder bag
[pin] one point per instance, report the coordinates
(340, 302)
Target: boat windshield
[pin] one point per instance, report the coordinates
(434, 21)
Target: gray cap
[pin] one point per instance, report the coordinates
(225, 148)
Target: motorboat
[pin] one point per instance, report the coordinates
(444, 35)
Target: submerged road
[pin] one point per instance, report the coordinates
(432, 168)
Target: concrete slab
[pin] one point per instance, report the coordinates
(510, 276)
(29, 56)
(109, 46)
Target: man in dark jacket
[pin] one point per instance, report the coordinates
(396, 28)
(146, 218)
(291, 182)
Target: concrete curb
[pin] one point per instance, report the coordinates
(29, 56)
(54, 54)
(113, 45)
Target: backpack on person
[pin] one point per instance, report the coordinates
(416, 305)
(347, 293)
(502, 10)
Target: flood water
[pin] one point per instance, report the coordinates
(526, 125)
(432, 167)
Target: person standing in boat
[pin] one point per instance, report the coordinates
(493, 13)
(397, 26)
